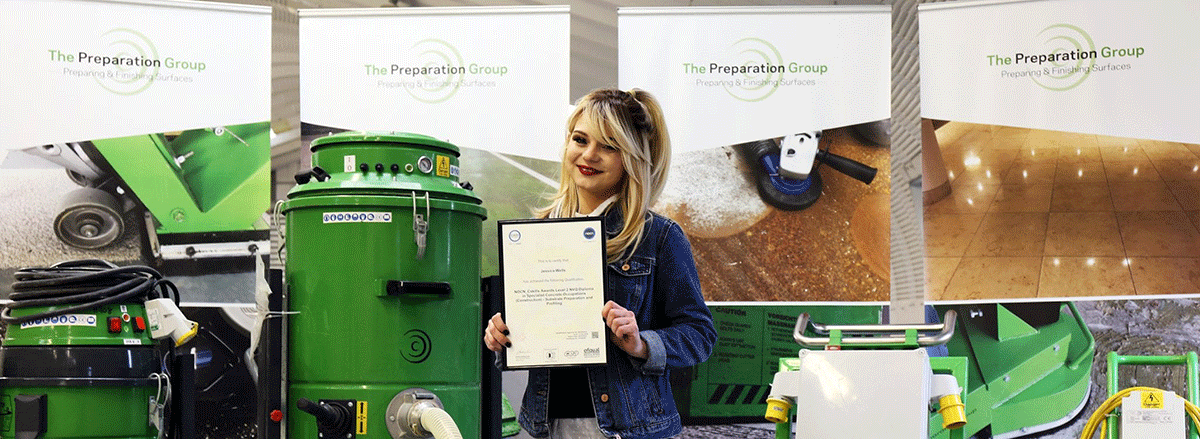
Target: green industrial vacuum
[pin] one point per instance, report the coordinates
(383, 285)
(79, 358)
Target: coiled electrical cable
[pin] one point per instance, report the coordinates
(77, 285)
(1099, 418)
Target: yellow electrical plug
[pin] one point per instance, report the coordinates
(777, 409)
(954, 414)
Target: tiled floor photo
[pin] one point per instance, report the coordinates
(1037, 214)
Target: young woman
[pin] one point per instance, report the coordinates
(615, 164)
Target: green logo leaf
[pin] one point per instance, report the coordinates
(128, 80)
(755, 87)
(437, 88)
(1065, 75)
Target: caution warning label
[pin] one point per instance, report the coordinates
(443, 166)
(360, 424)
(1152, 399)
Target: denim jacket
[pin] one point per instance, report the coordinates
(632, 397)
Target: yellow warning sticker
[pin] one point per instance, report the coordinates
(361, 418)
(1152, 399)
(443, 166)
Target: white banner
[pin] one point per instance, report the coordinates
(487, 78)
(732, 75)
(1122, 68)
(82, 70)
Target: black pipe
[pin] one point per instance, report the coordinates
(327, 415)
(854, 169)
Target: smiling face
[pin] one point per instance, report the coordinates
(596, 166)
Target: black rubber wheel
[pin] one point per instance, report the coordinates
(90, 219)
(786, 201)
(78, 178)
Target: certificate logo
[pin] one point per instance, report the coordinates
(589, 233)
(514, 236)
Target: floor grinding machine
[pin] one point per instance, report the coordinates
(204, 192)
(1023, 368)
(786, 171)
(383, 286)
(868, 381)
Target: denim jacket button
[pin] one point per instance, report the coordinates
(603, 397)
(625, 267)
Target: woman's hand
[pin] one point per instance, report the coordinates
(495, 336)
(623, 325)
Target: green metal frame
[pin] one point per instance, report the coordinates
(1016, 376)
(222, 184)
(1189, 360)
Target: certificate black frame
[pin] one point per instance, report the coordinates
(502, 356)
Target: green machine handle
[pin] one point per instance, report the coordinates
(1188, 360)
(406, 288)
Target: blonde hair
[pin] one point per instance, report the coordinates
(633, 123)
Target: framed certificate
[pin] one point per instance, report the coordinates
(552, 271)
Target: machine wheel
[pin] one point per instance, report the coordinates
(90, 219)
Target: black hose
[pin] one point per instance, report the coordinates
(77, 285)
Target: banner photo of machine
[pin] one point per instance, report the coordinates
(755, 110)
(136, 153)
(1061, 151)
(137, 132)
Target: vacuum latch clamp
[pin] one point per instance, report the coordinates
(420, 225)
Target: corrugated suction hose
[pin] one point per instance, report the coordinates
(439, 423)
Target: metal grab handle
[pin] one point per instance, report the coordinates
(884, 334)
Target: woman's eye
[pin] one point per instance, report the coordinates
(610, 147)
(579, 139)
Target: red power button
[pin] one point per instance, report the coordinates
(139, 324)
(114, 325)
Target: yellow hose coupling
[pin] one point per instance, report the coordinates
(777, 409)
(954, 414)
